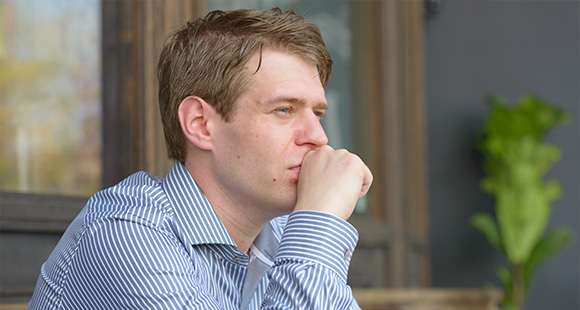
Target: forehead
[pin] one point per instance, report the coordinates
(277, 74)
(256, 59)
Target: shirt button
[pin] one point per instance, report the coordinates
(347, 255)
(237, 259)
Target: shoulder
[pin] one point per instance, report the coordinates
(138, 198)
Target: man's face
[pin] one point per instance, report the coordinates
(275, 123)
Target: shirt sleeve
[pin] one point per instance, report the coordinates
(311, 265)
(121, 264)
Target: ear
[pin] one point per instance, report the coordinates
(195, 117)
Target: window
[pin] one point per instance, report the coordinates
(50, 129)
(50, 112)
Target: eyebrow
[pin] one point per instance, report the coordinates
(320, 105)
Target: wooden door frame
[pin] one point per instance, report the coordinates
(389, 66)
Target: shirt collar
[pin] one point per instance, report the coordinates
(195, 218)
(197, 223)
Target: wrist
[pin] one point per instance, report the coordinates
(318, 237)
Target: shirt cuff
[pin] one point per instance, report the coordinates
(319, 237)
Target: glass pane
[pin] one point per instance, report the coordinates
(50, 96)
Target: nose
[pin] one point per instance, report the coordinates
(310, 131)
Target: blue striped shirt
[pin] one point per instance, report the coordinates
(152, 243)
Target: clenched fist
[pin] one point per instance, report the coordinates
(332, 181)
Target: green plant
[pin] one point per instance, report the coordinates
(515, 160)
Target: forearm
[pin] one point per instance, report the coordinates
(312, 263)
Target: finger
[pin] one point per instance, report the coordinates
(309, 153)
(367, 181)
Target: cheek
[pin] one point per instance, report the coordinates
(247, 148)
(263, 148)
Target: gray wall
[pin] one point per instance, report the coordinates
(510, 47)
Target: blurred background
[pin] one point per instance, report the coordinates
(78, 113)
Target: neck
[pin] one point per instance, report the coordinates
(242, 220)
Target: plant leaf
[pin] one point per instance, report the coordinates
(550, 244)
(485, 223)
(522, 212)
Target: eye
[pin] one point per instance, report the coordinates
(319, 114)
(283, 111)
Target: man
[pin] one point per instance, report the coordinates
(241, 98)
